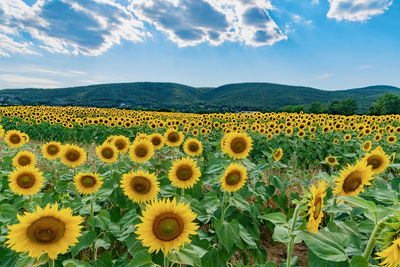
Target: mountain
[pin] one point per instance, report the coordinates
(167, 96)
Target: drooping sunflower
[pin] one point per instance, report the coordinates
(140, 186)
(316, 204)
(353, 179)
(331, 160)
(237, 145)
(141, 151)
(391, 255)
(173, 138)
(234, 178)
(14, 138)
(87, 183)
(278, 154)
(157, 140)
(121, 143)
(391, 139)
(108, 153)
(193, 147)
(184, 173)
(378, 160)
(47, 230)
(166, 225)
(26, 181)
(367, 146)
(72, 155)
(51, 150)
(24, 158)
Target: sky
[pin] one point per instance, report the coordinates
(325, 44)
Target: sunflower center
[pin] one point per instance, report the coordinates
(15, 139)
(351, 182)
(331, 160)
(391, 139)
(167, 227)
(46, 230)
(184, 173)
(141, 151)
(24, 160)
(375, 162)
(107, 153)
(156, 141)
(277, 154)
(73, 155)
(26, 180)
(318, 207)
(193, 147)
(52, 149)
(88, 181)
(238, 145)
(173, 137)
(232, 178)
(141, 185)
(120, 144)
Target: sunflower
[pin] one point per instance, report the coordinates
(24, 158)
(14, 138)
(347, 137)
(87, 183)
(391, 254)
(289, 131)
(353, 179)
(72, 155)
(47, 230)
(316, 204)
(140, 186)
(278, 154)
(331, 160)
(336, 141)
(173, 138)
(107, 153)
(234, 178)
(391, 139)
(367, 146)
(157, 140)
(193, 147)
(141, 151)
(301, 134)
(237, 145)
(377, 137)
(166, 225)
(121, 143)
(26, 181)
(184, 173)
(51, 150)
(378, 160)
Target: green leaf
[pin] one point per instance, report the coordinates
(189, 255)
(142, 259)
(24, 261)
(85, 241)
(360, 202)
(247, 238)
(281, 234)
(239, 202)
(359, 261)
(75, 263)
(215, 258)
(277, 218)
(227, 232)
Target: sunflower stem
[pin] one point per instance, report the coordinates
(165, 260)
(222, 216)
(331, 217)
(92, 228)
(372, 239)
(51, 263)
(182, 192)
(291, 243)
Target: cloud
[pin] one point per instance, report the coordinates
(323, 76)
(357, 10)
(315, 2)
(9, 46)
(41, 70)
(364, 67)
(19, 80)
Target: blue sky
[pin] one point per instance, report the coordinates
(326, 44)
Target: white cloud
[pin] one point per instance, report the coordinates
(19, 80)
(9, 46)
(357, 10)
(364, 67)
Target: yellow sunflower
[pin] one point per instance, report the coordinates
(316, 204)
(72, 155)
(47, 230)
(26, 181)
(237, 145)
(336, 141)
(87, 183)
(391, 139)
(378, 160)
(173, 138)
(107, 153)
(193, 147)
(234, 178)
(24, 158)
(347, 137)
(157, 140)
(140, 186)
(166, 225)
(301, 134)
(391, 255)
(51, 150)
(331, 160)
(141, 151)
(278, 154)
(353, 179)
(121, 143)
(367, 146)
(184, 173)
(14, 138)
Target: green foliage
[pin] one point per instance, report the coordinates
(387, 104)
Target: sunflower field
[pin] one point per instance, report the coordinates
(111, 187)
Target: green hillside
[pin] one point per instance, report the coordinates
(166, 96)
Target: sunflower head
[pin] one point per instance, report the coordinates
(166, 225)
(234, 178)
(72, 155)
(184, 173)
(87, 183)
(391, 139)
(121, 143)
(331, 160)
(278, 154)
(301, 134)
(193, 147)
(14, 138)
(315, 206)
(378, 160)
(107, 153)
(347, 137)
(47, 230)
(157, 140)
(140, 186)
(51, 150)
(391, 254)
(237, 145)
(26, 181)
(24, 158)
(173, 138)
(141, 151)
(367, 146)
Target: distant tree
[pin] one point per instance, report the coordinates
(334, 107)
(387, 104)
(293, 109)
(317, 108)
(343, 107)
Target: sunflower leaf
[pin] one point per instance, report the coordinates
(227, 232)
